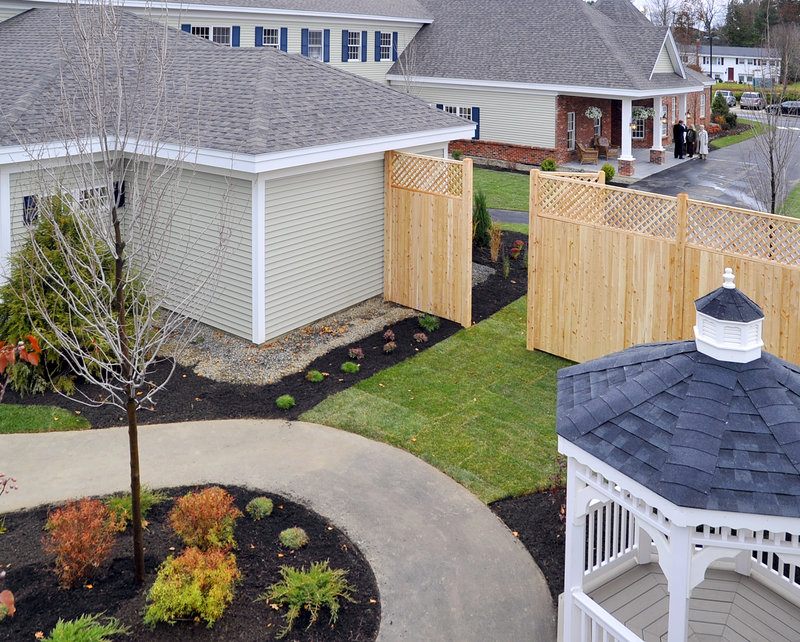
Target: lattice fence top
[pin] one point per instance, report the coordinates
(425, 174)
(592, 177)
(751, 234)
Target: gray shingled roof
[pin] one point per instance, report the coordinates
(255, 100)
(738, 52)
(729, 304)
(699, 432)
(567, 42)
(407, 9)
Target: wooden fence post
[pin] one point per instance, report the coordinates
(601, 177)
(534, 207)
(678, 277)
(465, 236)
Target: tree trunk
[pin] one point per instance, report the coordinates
(136, 493)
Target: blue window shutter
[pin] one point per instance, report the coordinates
(259, 36)
(285, 39)
(304, 42)
(30, 209)
(440, 106)
(186, 28)
(476, 116)
(235, 33)
(345, 36)
(363, 46)
(326, 45)
(394, 45)
(119, 193)
(377, 46)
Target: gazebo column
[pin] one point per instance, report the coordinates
(626, 164)
(679, 582)
(575, 527)
(657, 153)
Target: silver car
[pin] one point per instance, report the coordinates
(729, 97)
(752, 100)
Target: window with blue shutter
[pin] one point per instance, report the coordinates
(284, 39)
(394, 45)
(345, 41)
(476, 116)
(363, 46)
(259, 36)
(30, 209)
(377, 46)
(235, 36)
(186, 28)
(326, 45)
(304, 42)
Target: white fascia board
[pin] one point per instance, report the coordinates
(247, 163)
(572, 90)
(678, 515)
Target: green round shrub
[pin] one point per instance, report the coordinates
(457, 154)
(314, 376)
(609, 172)
(259, 508)
(293, 538)
(284, 402)
(429, 322)
(350, 367)
(549, 165)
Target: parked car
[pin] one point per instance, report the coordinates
(752, 100)
(791, 107)
(729, 97)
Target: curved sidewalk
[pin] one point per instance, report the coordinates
(447, 568)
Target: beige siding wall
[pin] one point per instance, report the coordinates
(5, 14)
(521, 118)
(248, 23)
(664, 64)
(324, 243)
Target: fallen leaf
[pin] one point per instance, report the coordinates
(89, 586)
(330, 528)
(413, 439)
(77, 412)
(381, 385)
(371, 601)
(515, 533)
(280, 554)
(39, 635)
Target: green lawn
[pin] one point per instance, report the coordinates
(791, 206)
(504, 190)
(478, 406)
(738, 138)
(38, 419)
(522, 228)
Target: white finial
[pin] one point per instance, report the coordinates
(728, 278)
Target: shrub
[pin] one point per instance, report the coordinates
(284, 402)
(314, 376)
(481, 221)
(205, 519)
(350, 367)
(259, 508)
(549, 165)
(356, 353)
(87, 628)
(609, 171)
(121, 505)
(719, 105)
(389, 347)
(197, 585)
(293, 538)
(388, 335)
(309, 591)
(421, 337)
(457, 154)
(429, 322)
(81, 534)
(730, 120)
(494, 243)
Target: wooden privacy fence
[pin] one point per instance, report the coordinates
(428, 246)
(611, 267)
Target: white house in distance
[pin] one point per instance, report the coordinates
(754, 66)
(290, 148)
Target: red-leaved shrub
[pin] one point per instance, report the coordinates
(81, 534)
(205, 519)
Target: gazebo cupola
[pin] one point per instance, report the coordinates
(728, 324)
(683, 486)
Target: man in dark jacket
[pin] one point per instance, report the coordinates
(678, 135)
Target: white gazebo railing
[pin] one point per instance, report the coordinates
(597, 624)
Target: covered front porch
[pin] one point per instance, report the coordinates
(642, 165)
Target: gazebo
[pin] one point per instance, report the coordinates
(683, 486)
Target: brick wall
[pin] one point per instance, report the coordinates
(508, 153)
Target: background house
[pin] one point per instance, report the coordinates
(755, 66)
(290, 151)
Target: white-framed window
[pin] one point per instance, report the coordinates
(77, 199)
(638, 131)
(570, 130)
(598, 127)
(315, 44)
(674, 110)
(386, 46)
(663, 121)
(272, 38)
(220, 35)
(703, 105)
(719, 61)
(464, 112)
(354, 45)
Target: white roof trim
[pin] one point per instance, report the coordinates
(572, 90)
(247, 163)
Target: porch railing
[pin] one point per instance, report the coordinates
(598, 625)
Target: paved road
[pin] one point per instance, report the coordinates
(447, 567)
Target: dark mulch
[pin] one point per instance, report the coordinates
(40, 603)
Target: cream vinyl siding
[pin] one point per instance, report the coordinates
(664, 63)
(5, 14)
(520, 118)
(324, 243)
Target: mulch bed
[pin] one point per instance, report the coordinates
(190, 397)
(259, 555)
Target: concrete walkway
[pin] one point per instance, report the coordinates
(447, 568)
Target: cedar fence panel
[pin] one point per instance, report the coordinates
(428, 238)
(610, 268)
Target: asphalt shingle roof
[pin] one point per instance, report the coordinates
(699, 432)
(247, 100)
(729, 304)
(568, 42)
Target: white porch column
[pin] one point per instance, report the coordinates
(575, 528)
(627, 115)
(682, 108)
(657, 140)
(678, 582)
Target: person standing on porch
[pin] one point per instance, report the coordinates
(678, 137)
(691, 138)
(702, 143)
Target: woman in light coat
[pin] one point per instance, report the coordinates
(702, 143)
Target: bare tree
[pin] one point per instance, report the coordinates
(408, 64)
(117, 115)
(662, 12)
